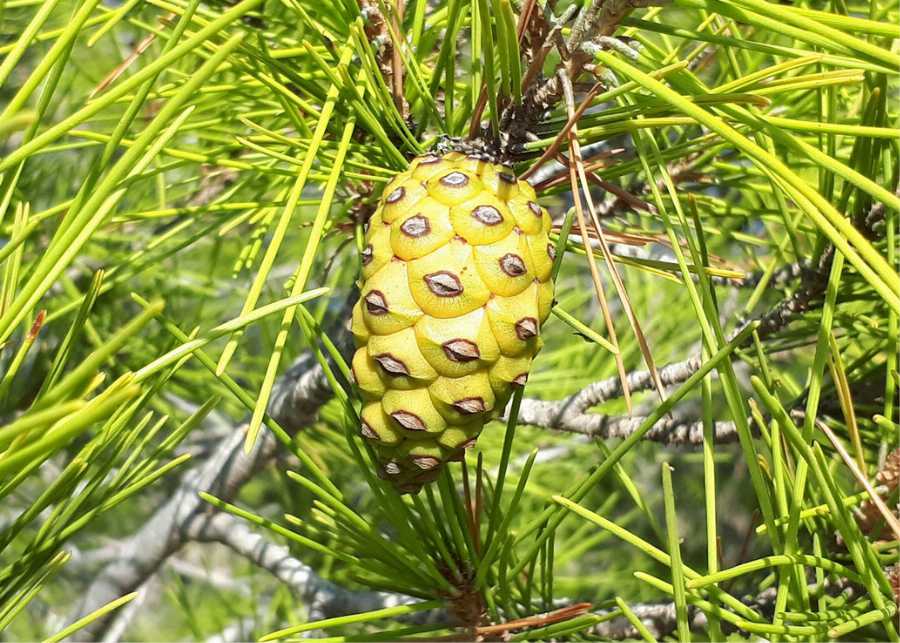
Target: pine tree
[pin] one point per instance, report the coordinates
(693, 206)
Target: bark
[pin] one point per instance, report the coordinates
(300, 393)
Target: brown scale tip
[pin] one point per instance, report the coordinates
(376, 303)
(409, 421)
(459, 453)
(396, 195)
(461, 350)
(455, 180)
(367, 432)
(443, 283)
(470, 405)
(526, 328)
(415, 226)
(512, 265)
(391, 365)
(488, 215)
(426, 462)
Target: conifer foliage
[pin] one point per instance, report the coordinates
(269, 267)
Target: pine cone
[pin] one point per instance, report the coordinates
(456, 284)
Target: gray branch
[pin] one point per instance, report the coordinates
(299, 394)
(321, 596)
(602, 18)
(671, 431)
(571, 413)
(659, 618)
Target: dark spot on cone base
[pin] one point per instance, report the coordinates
(526, 328)
(409, 421)
(461, 350)
(470, 405)
(512, 265)
(391, 365)
(488, 215)
(415, 226)
(376, 304)
(443, 284)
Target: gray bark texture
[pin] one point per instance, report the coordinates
(299, 394)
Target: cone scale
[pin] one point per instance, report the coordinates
(456, 283)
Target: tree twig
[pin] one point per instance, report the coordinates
(571, 414)
(297, 398)
(659, 618)
(671, 431)
(600, 19)
(320, 596)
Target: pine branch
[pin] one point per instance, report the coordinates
(599, 20)
(781, 277)
(321, 597)
(571, 414)
(659, 618)
(671, 431)
(301, 391)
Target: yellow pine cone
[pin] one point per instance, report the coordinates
(456, 285)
